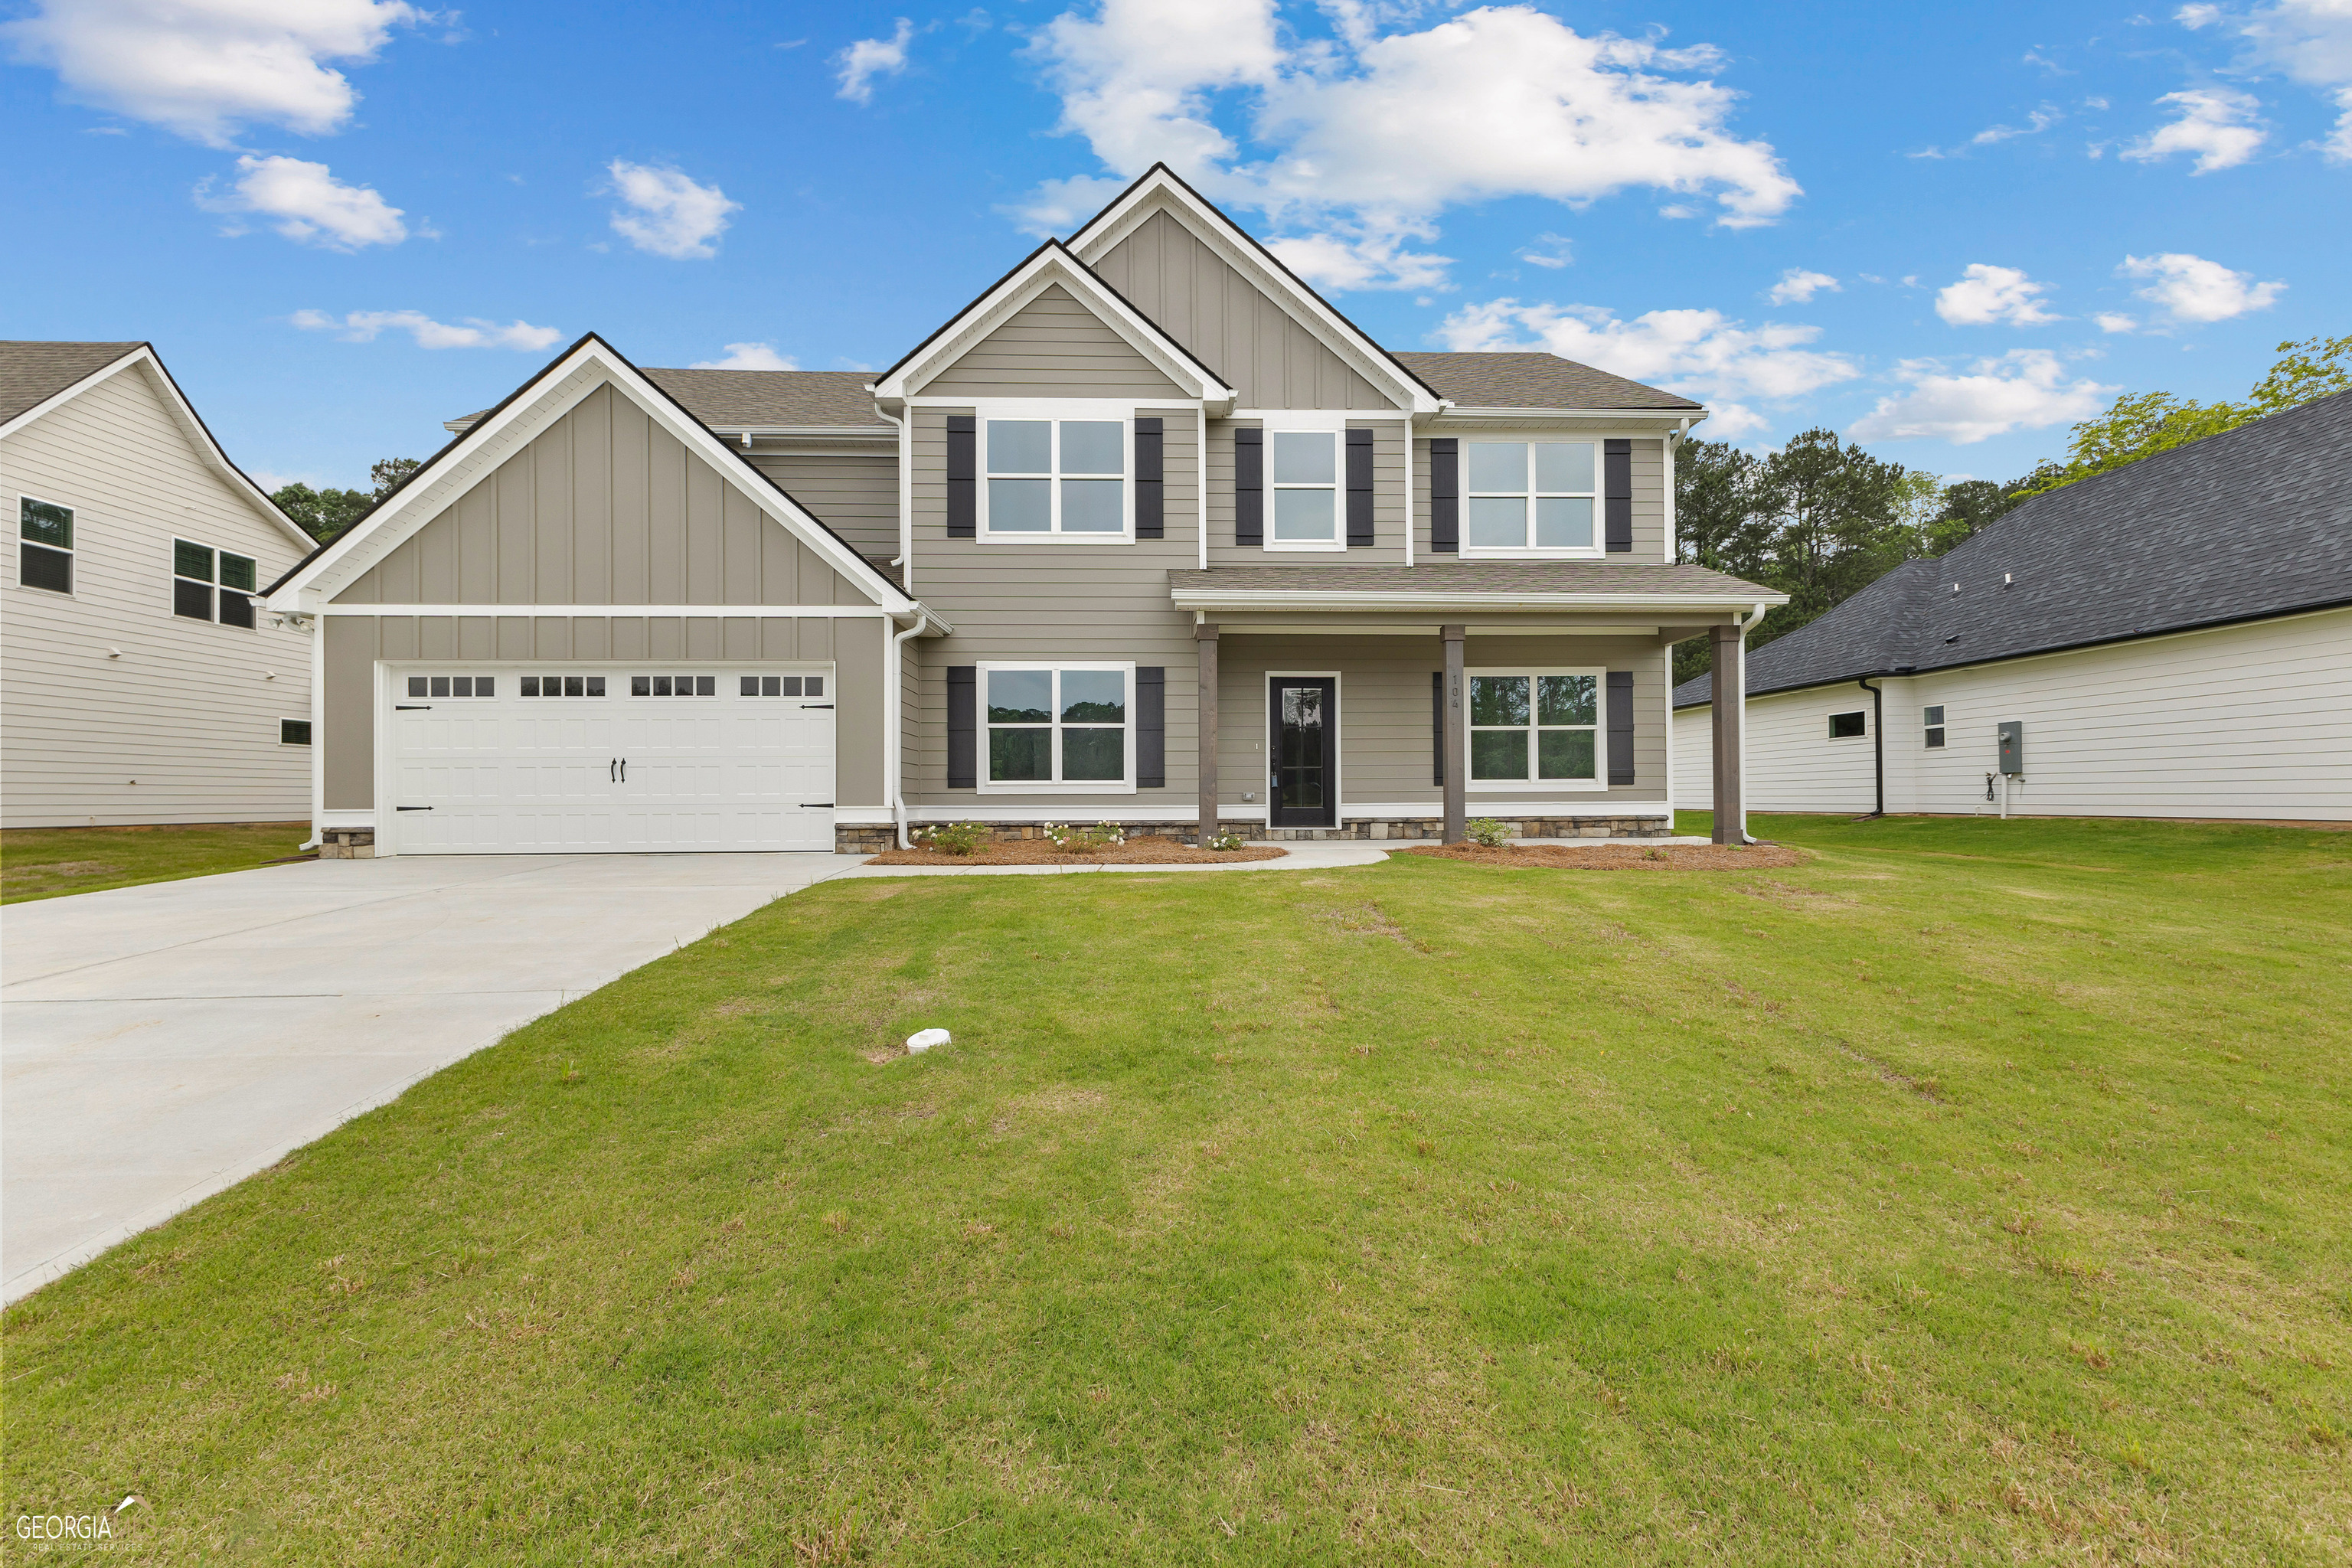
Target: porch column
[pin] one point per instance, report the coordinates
(1730, 715)
(1204, 645)
(1457, 794)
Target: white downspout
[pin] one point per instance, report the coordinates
(318, 730)
(1201, 477)
(1407, 489)
(897, 747)
(905, 561)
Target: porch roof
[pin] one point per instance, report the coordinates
(1469, 586)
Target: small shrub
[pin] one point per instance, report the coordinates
(1081, 840)
(1487, 831)
(953, 838)
(1226, 843)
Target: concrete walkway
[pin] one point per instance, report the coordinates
(163, 1042)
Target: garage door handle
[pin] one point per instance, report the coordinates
(611, 774)
(813, 805)
(825, 705)
(412, 808)
(624, 769)
(412, 708)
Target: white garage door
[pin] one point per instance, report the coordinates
(525, 759)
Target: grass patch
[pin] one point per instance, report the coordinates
(1975, 1190)
(46, 862)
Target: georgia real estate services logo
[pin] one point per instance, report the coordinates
(83, 1527)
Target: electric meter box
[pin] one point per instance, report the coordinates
(2012, 748)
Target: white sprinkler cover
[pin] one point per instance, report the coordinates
(924, 1039)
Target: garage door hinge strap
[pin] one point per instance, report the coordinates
(412, 808)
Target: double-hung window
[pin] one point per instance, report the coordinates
(1535, 727)
(1934, 726)
(1056, 479)
(45, 545)
(1304, 482)
(196, 568)
(1533, 498)
(1058, 725)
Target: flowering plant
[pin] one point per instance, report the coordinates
(1102, 836)
(953, 838)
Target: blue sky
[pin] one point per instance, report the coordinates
(1948, 231)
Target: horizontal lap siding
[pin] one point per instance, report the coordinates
(1385, 737)
(1387, 548)
(1052, 601)
(190, 709)
(1649, 454)
(1269, 357)
(855, 495)
(1052, 347)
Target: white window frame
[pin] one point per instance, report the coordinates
(1530, 495)
(1120, 412)
(72, 553)
(1056, 785)
(1598, 780)
(1932, 731)
(1829, 725)
(214, 582)
(1292, 424)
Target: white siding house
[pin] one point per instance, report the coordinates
(2172, 639)
(137, 684)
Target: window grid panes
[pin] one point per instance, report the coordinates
(195, 568)
(1532, 496)
(456, 686)
(1934, 725)
(44, 547)
(1305, 485)
(1535, 727)
(1049, 476)
(564, 686)
(1056, 726)
(782, 686)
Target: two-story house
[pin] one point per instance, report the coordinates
(1148, 532)
(137, 682)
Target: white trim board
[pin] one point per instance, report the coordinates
(624, 612)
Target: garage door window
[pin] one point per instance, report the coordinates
(783, 686)
(564, 686)
(456, 686)
(673, 686)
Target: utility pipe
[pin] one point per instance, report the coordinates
(893, 698)
(1877, 746)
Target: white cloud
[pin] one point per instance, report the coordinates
(1988, 295)
(669, 215)
(1057, 206)
(2216, 127)
(364, 327)
(2192, 289)
(202, 68)
(309, 203)
(2023, 388)
(2038, 122)
(1798, 286)
(1356, 145)
(869, 57)
(750, 356)
(2307, 41)
(2115, 322)
(1550, 250)
(1699, 354)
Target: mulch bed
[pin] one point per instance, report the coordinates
(1619, 856)
(1040, 852)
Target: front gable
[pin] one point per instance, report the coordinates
(589, 487)
(1053, 346)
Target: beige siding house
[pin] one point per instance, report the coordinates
(138, 684)
(2171, 640)
(1147, 533)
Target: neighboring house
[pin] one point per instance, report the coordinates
(1148, 532)
(137, 682)
(2171, 640)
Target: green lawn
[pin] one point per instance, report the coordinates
(1979, 1191)
(44, 862)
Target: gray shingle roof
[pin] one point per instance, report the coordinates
(737, 397)
(1498, 577)
(2255, 522)
(33, 372)
(1532, 381)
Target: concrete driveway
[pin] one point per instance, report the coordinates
(162, 1043)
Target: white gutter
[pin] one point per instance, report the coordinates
(905, 560)
(1227, 599)
(893, 744)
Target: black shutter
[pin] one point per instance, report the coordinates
(1360, 488)
(963, 479)
(1437, 728)
(963, 751)
(1249, 485)
(1617, 496)
(1445, 495)
(1151, 727)
(1150, 502)
(1621, 725)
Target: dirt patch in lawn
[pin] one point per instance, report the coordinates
(1634, 856)
(1039, 852)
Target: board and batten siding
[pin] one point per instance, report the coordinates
(1051, 601)
(1266, 354)
(1386, 739)
(604, 506)
(1649, 466)
(1054, 346)
(2250, 721)
(853, 493)
(191, 709)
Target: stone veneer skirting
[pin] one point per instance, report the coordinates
(347, 844)
(874, 841)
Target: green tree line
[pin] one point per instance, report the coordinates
(323, 514)
(1821, 519)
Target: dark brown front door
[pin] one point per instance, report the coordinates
(1303, 788)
